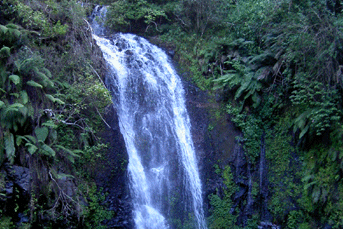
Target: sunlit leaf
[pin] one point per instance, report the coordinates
(34, 84)
(24, 97)
(15, 79)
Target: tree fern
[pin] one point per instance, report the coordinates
(241, 79)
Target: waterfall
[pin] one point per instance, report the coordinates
(149, 98)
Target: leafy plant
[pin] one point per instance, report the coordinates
(221, 207)
(318, 106)
(133, 15)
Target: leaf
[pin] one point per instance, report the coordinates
(316, 195)
(15, 79)
(256, 99)
(71, 152)
(44, 79)
(34, 84)
(9, 146)
(47, 72)
(16, 33)
(31, 148)
(63, 175)
(12, 26)
(3, 29)
(31, 138)
(241, 89)
(5, 51)
(2, 104)
(53, 135)
(13, 107)
(47, 150)
(78, 151)
(53, 99)
(340, 155)
(15, 95)
(23, 111)
(70, 158)
(19, 139)
(26, 65)
(24, 97)
(42, 133)
(304, 131)
(50, 124)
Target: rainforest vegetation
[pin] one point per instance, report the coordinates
(275, 66)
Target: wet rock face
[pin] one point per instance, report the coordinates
(213, 137)
(113, 177)
(216, 145)
(14, 191)
(21, 177)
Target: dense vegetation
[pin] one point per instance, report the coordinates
(51, 101)
(277, 66)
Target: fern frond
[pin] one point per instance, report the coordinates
(9, 146)
(34, 84)
(3, 29)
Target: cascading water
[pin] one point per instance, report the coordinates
(164, 178)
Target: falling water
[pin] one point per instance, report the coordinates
(164, 177)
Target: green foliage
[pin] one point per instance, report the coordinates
(252, 128)
(221, 216)
(94, 214)
(34, 19)
(6, 223)
(279, 66)
(44, 124)
(317, 106)
(133, 15)
(243, 80)
(9, 146)
(283, 176)
(198, 16)
(8, 35)
(41, 133)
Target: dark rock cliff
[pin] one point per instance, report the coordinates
(113, 177)
(217, 145)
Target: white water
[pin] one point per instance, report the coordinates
(156, 128)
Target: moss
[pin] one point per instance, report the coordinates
(221, 206)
